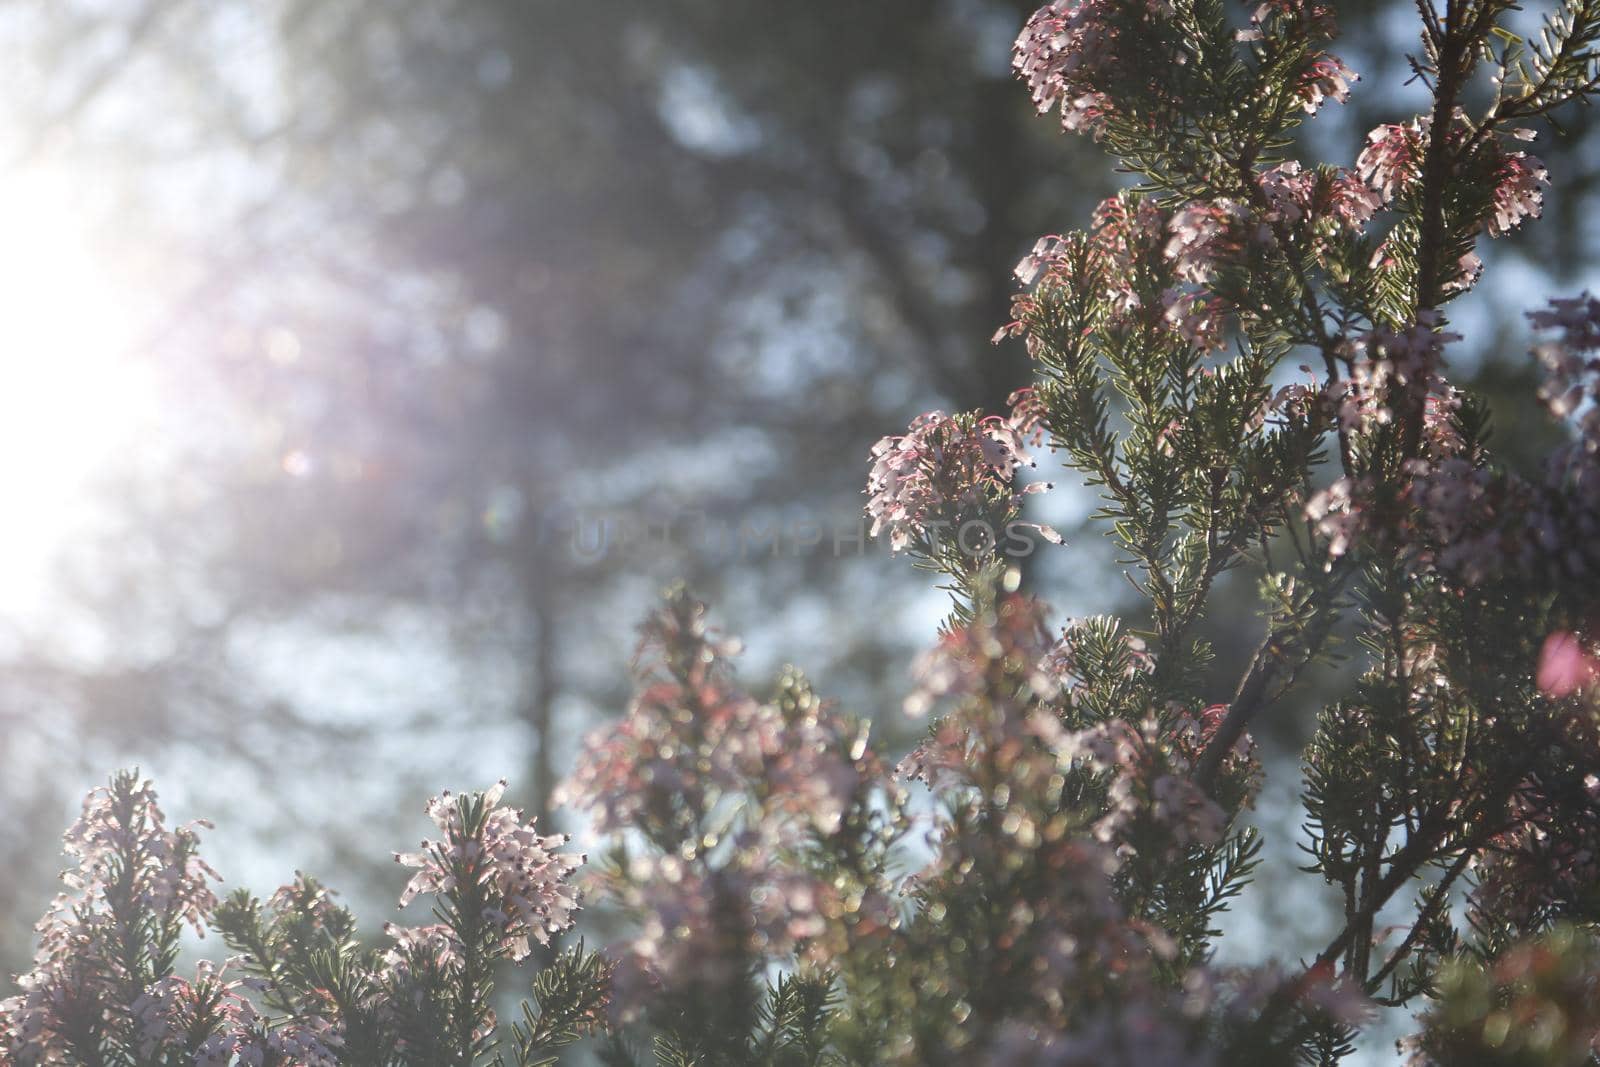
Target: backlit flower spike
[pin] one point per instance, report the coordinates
(1392, 160)
(530, 897)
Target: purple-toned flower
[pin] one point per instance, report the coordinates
(1197, 317)
(1289, 190)
(104, 942)
(420, 950)
(695, 757)
(248, 1040)
(1046, 257)
(1149, 786)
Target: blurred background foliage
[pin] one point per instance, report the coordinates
(393, 298)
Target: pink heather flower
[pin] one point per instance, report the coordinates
(1564, 529)
(1027, 415)
(705, 928)
(168, 874)
(1337, 513)
(1466, 522)
(1457, 510)
(1149, 781)
(1578, 316)
(824, 769)
(1289, 191)
(1392, 160)
(689, 739)
(1391, 366)
(1045, 257)
(128, 862)
(693, 750)
(1126, 229)
(1206, 235)
(1566, 666)
(1571, 368)
(523, 879)
(1469, 268)
(946, 469)
(1067, 53)
(1350, 201)
(943, 760)
(1189, 735)
(1439, 432)
(419, 950)
(1547, 864)
(247, 1040)
(1295, 402)
(1295, 196)
(1519, 184)
(988, 656)
(1325, 77)
(1197, 317)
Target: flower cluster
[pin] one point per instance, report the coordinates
(1325, 78)
(1393, 157)
(947, 469)
(1208, 233)
(524, 882)
(1519, 182)
(1395, 154)
(1149, 782)
(170, 1014)
(1471, 521)
(104, 991)
(729, 794)
(249, 1039)
(702, 928)
(1572, 365)
(1547, 865)
(108, 942)
(693, 745)
(1067, 53)
(1337, 513)
(1294, 194)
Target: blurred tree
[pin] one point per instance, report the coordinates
(442, 273)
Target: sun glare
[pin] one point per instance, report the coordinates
(70, 398)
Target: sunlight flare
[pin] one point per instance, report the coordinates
(71, 399)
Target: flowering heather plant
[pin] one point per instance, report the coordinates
(1248, 356)
(301, 990)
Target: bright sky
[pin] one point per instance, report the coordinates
(71, 400)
